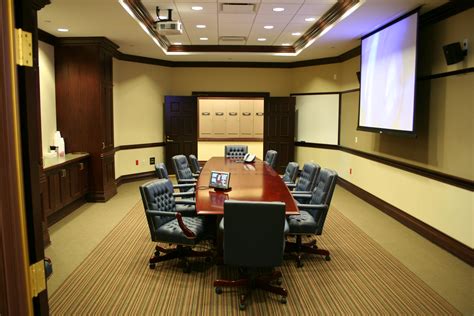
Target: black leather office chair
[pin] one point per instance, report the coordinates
(271, 158)
(162, 173)
(235, 151)
(182, 170)
(307, 178)
(291, 172)
(169, 226)
(253, 238)
(194, 164)
(312, 216)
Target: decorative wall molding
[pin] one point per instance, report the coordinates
(139, 146)
(449, 244)
(134, 177)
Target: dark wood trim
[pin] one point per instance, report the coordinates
(138, 146)
(230, 139)
(449, 244)
(134, 177)
(143, 60)
(317, 145)
(68, 162)
(39, 4)
(339, 107)
(47, 37)
(425, 172)
(447, 74)
(232, 49)
(350, 91)
(445, 11)
(226, 94)
(103, 42)
(65, 211)
(432, 174)
(314, 93)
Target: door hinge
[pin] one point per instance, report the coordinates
(24, 48)
(37, 278)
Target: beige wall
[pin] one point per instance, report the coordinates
(186, 80)
(139, 91)
(324, 78)
(208, 149)
(47, 94)
(442, 206)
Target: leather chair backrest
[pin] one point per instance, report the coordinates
(157, 195)
(160, 171)
(271, 158)
(253, 233)
(307, 177)
(194, 164)
(181, 167)
(235, 151)
(322, 195)
(291, 172)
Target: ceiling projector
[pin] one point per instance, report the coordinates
(169, 27)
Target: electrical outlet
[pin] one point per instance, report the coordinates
(152, 160)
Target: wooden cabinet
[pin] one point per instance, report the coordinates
(84, 107)
(63, 187)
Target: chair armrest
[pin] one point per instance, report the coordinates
(184, 185)
(320, 207)
(302, 196)
(301, 192)
(195, 175)
(183, 195)
(185, 202)
(290, 185)
(186, 231)
(181, 181)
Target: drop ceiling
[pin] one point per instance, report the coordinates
(109, 19)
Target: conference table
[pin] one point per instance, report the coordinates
(255, 181)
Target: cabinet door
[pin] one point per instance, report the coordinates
(218, 118)
(205, 118)
(232, 117)
(53, 199)
(108, 175)
(65, 186)
(246, 118)
(258, 108)
(78, 179)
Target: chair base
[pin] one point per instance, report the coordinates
(299, 247)
(180, 252)
(263, 282)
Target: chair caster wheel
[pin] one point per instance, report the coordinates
(218, 290)
(327, 258)
(242, 303)
(283, 300)
(242, 306)
(299, 264)
(151, 266)
(279, 281)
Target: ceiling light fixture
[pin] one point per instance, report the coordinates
(201, 26)
(203, 38)
(285, 44)
(268, 27)
(177, 43)
(196, 8)
(310, 19)
(296, 33)
(63, 30)
(261, 39)
(278, 9)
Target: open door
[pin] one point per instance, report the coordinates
(21, 235)
(279, 129)
(180, 127)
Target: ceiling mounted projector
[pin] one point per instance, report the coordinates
(166, 26)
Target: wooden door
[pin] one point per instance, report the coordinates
(279, 126)
(180, 127)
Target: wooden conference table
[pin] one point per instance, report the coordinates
(249, 182)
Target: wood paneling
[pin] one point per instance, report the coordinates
(84, 106)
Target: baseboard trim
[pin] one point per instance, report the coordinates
(437, 237)
(134, 177)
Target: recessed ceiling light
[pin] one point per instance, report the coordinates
(63, 30)
(268, 27)
(203, 38)
(261, 39)
(163, 17)
(278, 9)
(177, 43)
(296, 34)
(201, 26)
(196, 8)
(285, 44)
(310, 19)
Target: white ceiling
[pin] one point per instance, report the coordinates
(108, 18)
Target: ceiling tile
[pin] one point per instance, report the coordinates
(314, 9)
(267, 9)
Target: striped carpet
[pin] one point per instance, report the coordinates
(361, 279)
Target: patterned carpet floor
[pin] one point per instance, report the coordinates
(361, 279)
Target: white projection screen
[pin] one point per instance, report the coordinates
(317, 118)
(388, 73)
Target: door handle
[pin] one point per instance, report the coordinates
(103, 145)
(168, 140)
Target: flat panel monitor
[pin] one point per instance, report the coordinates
(219, 180)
